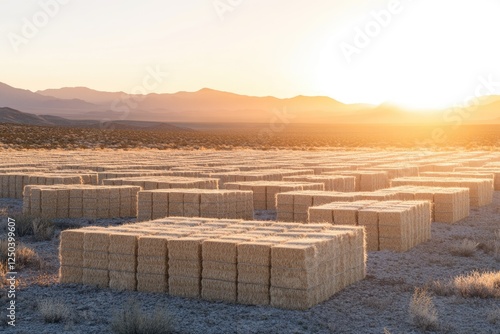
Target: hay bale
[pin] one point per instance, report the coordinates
(219, 290)
(253, 294)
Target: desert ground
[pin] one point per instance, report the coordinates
(447, 284)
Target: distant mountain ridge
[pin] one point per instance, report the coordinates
(12, 116)
(212, 106)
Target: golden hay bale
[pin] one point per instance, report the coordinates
(219, 290)
(69, 274)
(123, 243)
(185, 268)
(187, 287)
(220, 271)
(151, 283)
(294, 299)
(253, 294)
(96, 277)
(254, 274)
(119, 280)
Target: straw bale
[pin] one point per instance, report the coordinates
(220, 271)
(219, 290)
(185, 268)
(119, 280)
(123, 243)
(95, 277)
(153, 246)
(187, 287)
(70, 274)
(151, 283)
(294, 299)
(253, 294)
(255, 274)
(293, 256)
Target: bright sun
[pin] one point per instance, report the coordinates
(430, 55)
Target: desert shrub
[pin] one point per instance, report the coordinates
(53, 311)
(423, 313)
(465, 248)
(43, 229)
(133, 320)
(24, 225)
(40, 228)
(476, 284)
(25, 256)
(472, 285)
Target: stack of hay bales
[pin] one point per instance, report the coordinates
(257, 175)
(285, 265)
(96, 244)
(449, 205)
(483, 170)
(439, 167)
(80, 201)
(293, 206)
(391, 225)
(12, 185)
(116, 174)
(265, 192)
(395, 171)
(480, 190)
(164, 182)
(332, 183)
(308, 271)
(154, 204)
(367, 180)
(220, 268)
(71, 256)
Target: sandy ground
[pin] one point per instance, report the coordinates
(377, 303)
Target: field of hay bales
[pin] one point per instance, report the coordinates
(250, 241)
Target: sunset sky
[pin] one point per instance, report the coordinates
(423, 54)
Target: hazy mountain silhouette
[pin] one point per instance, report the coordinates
(208, 105)
(12, 116)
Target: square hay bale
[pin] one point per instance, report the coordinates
(95, 277)
(176, 204)
(345, 215)
(253, 294)
(319, 215)
(184, 268)
(69, 275)
(219, 290)
(151, 283)
(294, 299)
(187, 287)
(119, 280)
(220, 271)
(368, 218)
(293, 255)
(254, 274)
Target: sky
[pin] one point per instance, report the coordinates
(412, 53)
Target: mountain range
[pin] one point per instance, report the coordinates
(212, 106)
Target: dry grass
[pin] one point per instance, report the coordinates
(465, 248)
(54, 311)
(43, 229)
(473, 285)
(24, 225)
(423, 313)
(25, 256)
(133, 320)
